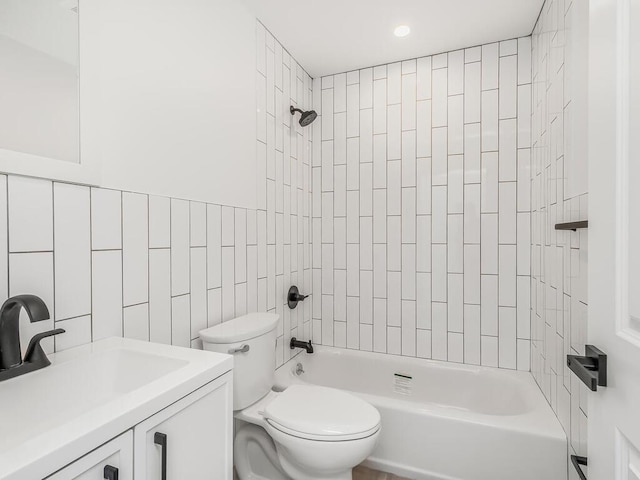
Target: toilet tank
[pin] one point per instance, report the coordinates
(251, 339)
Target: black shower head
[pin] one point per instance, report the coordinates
(306, 118)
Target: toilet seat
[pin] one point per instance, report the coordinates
(320, 413)
(325, 438)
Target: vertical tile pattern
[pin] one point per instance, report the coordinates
(72, 244)
(198, 291)
(106, 219)
(436, 208)
(77, 332)
(556, 289)
(180, 247)
(106, 294)
(136, 321)
(135, 249)
(30, 204)
(160, 295)
(272, 246)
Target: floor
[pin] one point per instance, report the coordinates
(364, 473)
(361, 473)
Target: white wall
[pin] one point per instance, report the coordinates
(421, 207)
(170, 104)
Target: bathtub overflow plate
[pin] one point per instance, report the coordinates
(402, 383)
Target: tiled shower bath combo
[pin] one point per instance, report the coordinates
(421, 219)
(412, 202)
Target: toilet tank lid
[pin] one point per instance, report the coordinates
(241, 328)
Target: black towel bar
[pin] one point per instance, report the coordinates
(591, 368)
(577, 461)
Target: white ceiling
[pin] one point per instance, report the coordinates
(333, 36)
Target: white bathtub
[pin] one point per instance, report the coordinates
(443, 421)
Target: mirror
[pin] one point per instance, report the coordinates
(39, 84)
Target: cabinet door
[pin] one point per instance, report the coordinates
(111, 459)
(194, 434)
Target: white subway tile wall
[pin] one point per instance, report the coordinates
(111, 263)
(558, 291)
(434, 198)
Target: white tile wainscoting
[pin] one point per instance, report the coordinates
(421, 207)
(559, 194)
(112, 263)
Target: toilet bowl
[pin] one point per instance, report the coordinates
(305, 432)
(313, 432)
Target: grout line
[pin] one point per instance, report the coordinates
(91, 269)
(122, 197)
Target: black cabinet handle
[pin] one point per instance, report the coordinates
(110, 472)
(161, 439)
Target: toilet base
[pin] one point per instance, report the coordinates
(255, 457)
(299, 474)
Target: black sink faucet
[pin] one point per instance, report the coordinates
(10, 355)
(11, 363)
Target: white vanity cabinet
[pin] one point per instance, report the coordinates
(114, 459)
(194, 435)
(102, 404)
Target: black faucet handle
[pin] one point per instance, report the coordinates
(35, 353)
(294, 296)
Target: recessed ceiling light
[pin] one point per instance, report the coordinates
(402, 31)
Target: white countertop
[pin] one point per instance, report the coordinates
(90, 394)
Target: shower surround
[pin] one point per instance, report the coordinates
(421, 207)
(560, 194)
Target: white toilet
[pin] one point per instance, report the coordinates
(306, 432)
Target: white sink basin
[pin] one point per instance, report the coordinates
(88, 392)
(69, 389)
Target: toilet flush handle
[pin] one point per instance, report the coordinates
(243, 349)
